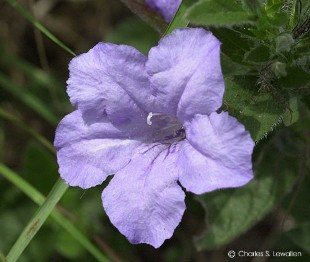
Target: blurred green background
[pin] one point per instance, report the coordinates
(33, 74)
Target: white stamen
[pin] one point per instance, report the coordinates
(148, 119)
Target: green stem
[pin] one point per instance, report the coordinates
(39, 199)
(37, 220)
(20, 9)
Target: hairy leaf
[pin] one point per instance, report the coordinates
(232, 212)
(259, 112)
(300, 235)
(219, 13)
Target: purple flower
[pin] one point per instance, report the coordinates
(167, 8)
(152, 122)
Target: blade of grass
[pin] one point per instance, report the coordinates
(20, 9)
(28, 99)
(39, 199)
(2, 140)
(41, 139)
(36, 77)
(37, 220)
(34, 73)
(10, 117)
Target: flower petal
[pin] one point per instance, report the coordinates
(218, 154)
(110, 80)
(185, 74)
(87, 154)
(167, 8)
(144, 200)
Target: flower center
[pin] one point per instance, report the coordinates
(168, 129)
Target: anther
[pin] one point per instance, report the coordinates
(148, 119)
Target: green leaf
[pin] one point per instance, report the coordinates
(284, 42)
(304, 62)
(300, 235)
(296, 78)
(259, 112)
(252, 5)
(179, 20)
(219, 13)
(134, 32)
(277, 19)
(279, 69)
(234, 45)
(258, 55)
(291, 114)
(231, 68)
(273, 5)
(2, 257)
(232, 212)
